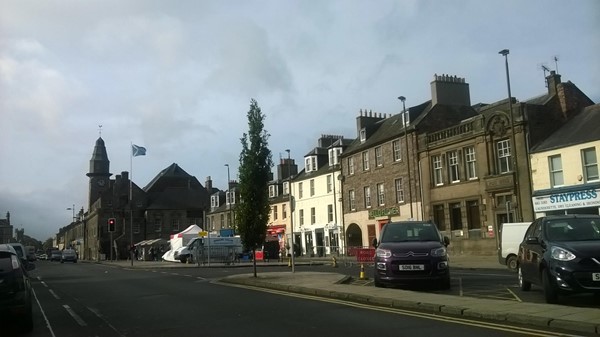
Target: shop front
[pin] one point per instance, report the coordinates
(576, 199)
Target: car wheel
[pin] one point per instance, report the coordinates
(550, 291)
(445, 285)
(511, 263)
(524, 285)
(183, 260)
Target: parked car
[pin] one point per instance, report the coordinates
(562, 255)
(411, 252)
(15, 288)
(68, 255)
(20, 249)
(511, 236)
(55, 255)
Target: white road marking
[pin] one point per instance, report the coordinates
(44, 284)
(74, 315)
(43, 313)
(515, 295)
(54, 294)
(460, 287)
(97, 313)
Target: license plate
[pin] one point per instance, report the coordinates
(412, 267)
(596, 277)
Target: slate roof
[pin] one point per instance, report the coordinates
(582, 128)
(173, 188)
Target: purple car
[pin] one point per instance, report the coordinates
(411, 252)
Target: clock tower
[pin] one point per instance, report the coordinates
(99, 175)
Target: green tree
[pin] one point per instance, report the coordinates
(254, 174)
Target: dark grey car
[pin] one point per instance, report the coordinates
(15, 289)
(411, 252)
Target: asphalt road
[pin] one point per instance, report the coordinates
(98, 300)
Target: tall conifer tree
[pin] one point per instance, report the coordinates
(254, 174)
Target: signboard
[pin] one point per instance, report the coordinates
(202, 234)
(376, 213)
(365, 254)
(567, 200)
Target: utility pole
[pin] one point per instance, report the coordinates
(405, 121)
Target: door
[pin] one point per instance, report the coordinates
(530, 253)
(320, 241)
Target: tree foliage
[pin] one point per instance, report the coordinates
(252, 213)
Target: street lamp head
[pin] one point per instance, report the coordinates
(504, 52)
(227, 165)
(402, 98)
(287, 150)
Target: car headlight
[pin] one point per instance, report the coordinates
(438, 251)
(383, 252)
(561, 254)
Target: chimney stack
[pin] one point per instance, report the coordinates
(450, 90)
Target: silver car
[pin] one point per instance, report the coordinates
(68, 255)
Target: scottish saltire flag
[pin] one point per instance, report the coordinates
(138, 150)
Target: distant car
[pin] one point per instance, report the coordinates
(55, 255)
(68, 255)
(411, 252)
(15, 288)
(562, 255)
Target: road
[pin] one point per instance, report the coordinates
(86, 299)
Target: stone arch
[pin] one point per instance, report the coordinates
(354, 236)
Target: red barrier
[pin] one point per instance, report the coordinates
(365, 254)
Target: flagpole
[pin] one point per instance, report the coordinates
(131, 248)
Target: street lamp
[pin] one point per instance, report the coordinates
(230, 221)
(72, 209)
(505, 52)
(405, 122)
(291, 206)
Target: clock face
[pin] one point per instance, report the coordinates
(101, 182)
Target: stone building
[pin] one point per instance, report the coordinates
(279, 226)
(6, 229)
(221, 214)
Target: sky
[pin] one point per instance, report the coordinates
(177, 77)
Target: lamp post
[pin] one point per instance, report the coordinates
(230, 221)
(517, 193)
(405, 122)
(291, 207)
(72, 209)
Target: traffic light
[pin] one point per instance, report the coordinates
(111, 224)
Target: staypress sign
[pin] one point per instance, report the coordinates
(567, 200)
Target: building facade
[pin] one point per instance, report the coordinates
(6, 229)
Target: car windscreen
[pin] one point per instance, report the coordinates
(410, 232)
(576, 229)
(19, 251)
(5, 262)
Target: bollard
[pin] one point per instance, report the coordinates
(334, 262)
(290, 262)
(362, 272)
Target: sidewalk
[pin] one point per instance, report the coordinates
(325, 284)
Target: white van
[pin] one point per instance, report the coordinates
(511, 235)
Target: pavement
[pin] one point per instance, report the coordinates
(332, 285)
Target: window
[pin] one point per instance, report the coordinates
(313, 162)
(590, 164)
(363, 135)
(334, 156)
(272, 191)
(437, 170)
(351, 200)
(367, 190)
(396, 150)
(470, 163)
(175, 225)
(453, 171)
(329, 213)
(275, 212)
(312, 187)
(300, 191)
(556, 171)
(214, 201)
(455, 216)
(232, 197)
(222, 220)
(286, 187)
(301, 216)
(380, 195)
(284, 211)
(157, 224)
(310, 163)
(438, 217)
(504, 157)
(329, 183)
(313, 216)
(365, 160)
(399, 190)
(378, 157)
(351, 165)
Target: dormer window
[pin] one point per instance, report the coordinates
(230, 198)
(286, 187)
(363, 135)
(272, 191)
(310, 163)
(334, 156)
(214, 201)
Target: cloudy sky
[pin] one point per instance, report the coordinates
(177, 77)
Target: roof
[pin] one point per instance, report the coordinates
(582, 128)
